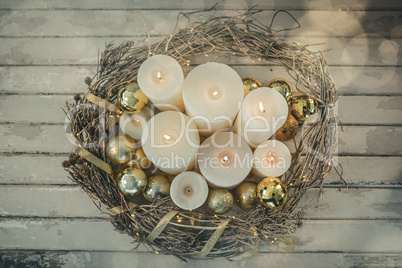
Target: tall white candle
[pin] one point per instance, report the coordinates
(133, 123)
(171, 142)
(263, 112)
(225, 160)
(271, 159)
(212, 93)
(161, 78)
(189, 190)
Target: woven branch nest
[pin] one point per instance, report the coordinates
(239, 36)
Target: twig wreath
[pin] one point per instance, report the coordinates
(193, 234)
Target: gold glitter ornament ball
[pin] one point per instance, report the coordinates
(157, 185)
(249, 84)
(282, 86)
(288, 130)
(272, 193)
(131, 181)
(303, 107)
(246, 196)
(131, 98)
(119, 148)
(220, 201)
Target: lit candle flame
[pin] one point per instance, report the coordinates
(168, 138)
(159, 75)
(261, 107)
(215, 93)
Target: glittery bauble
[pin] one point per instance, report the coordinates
(119, 148)
(157, 185)
(288, 130)
(220, 201)
(272, 193)
(249, 84)
(131, 181)
(131, 98)
(282, 86)
(303, 107)
(245, 195)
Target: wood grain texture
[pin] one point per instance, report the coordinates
(40, 169)
(78, 234)
(93, 259)
(373, 110)
(363, 50)
(72, 202)
(360, 140)
(129, 23)
(70, 79)
(180, 4)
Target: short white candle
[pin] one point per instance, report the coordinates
(161, 78)
(171, 142)
(189, 190)
(133, 123)
(225, 160)
(263, 112)
(212, 92)
(271, 159)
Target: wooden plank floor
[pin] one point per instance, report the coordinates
(49, 47)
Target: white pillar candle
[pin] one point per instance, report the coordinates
(189, 190)
(271, 159)
(171, 142)
(133, 123)
(263, 112)
(225, 160)
(212, 93)
(161, 78)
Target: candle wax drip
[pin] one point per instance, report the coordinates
(271, 158)
(215, 93)
(188, 191)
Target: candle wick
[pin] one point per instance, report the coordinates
(261, 107)
(159, 75)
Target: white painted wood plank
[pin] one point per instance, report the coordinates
(45, 80)
(51, 201)
(33, 138)
(371, 140)
(365, 50)
(45, 169)
(180, 4)
(70, 79)
(352, 109)
(27, 138)
(368, 171)
(33, 169)
(19, 258)
(128, 23)
(317, 236)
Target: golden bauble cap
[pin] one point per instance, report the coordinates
(245, 195)
(158, 185)
(288, 130)
(282, 86)
(220, 201)
(131, 98)
(119, 148)
(303, 107)
(249, 84)
(272, 193)
(131, 181)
